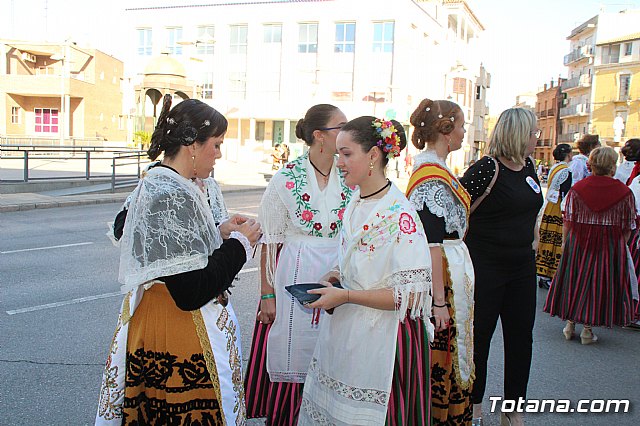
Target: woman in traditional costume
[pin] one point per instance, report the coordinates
(550, 242)
(175, 356)
(301, 213)
(371, 363)
(501, 244)
(443, 206)
(594, 284)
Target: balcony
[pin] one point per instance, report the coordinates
(541, 114)
(569, 137)
(551, 112)
(578, 54)
(575, 110)
(580, 81)
(543, 142)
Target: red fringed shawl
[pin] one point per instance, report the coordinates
(596, 202)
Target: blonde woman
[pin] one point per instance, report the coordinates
(593, 284)
(500, 241)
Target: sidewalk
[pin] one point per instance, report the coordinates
(232, 177)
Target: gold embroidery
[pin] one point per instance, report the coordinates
(468, 325)
(109, 393)
(235, 363)
(126, 308)
(209, 359)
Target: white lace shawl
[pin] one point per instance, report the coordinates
(169, 229)
(214, 193)
(438, 197)
(553, 191)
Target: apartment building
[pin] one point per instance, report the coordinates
(264, 63)
(576, 110)
(548, 104)
(616, 93)
(59, 93)
(599, 92)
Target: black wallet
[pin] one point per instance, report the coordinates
(299, 291)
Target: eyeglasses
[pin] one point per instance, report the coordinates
(537, 133)
(330, 128)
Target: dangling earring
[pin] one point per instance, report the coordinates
(449, 144)
(370, 168)
(195, 173)
(321, 147)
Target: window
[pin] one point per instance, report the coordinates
(174, 35)
(46, 120)
(307, 38)
(625, 83)
(205, 40)
(459, 85)
(121, 122)
(144, 41)
(611, 54)
(15, 115)
(345, 38)
(238, 84)
(273, 33)
(383, 37)
(238, 39)
(478, 92)
(207, 85)
(628, 48)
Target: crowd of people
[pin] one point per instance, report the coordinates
(413, 283)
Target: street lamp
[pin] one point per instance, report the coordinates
(61, 116)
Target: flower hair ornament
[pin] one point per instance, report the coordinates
(184, 130)
(388, 140)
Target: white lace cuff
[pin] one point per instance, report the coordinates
(244, 240)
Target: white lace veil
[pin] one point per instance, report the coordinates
(169, 229)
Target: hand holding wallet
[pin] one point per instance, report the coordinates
(299, 291)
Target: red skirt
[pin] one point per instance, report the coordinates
(591, 285)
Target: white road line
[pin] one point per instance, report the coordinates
(85, 299)
(46, 248)
(64, 303)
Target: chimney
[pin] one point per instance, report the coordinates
(545, 86)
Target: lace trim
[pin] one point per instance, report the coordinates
(373, 396)
(315, 415)
(440, 201)
(245, 242)
(412, 293)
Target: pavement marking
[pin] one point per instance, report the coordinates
(85, 299)
(46, 248)
(63, 303)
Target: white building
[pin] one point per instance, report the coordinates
(264, 63)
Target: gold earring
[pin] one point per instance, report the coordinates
(195, 173)
(370, 168)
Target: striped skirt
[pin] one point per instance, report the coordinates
(410, 399)
(550, 244)
(591, 285)
(279, 402)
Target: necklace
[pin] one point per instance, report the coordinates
(325, 176)
(362, 197)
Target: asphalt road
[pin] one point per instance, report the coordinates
(59, 300)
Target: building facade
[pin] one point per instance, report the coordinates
(576, 110)
(616, 95)
(600, 93)
(480, 113)
(548, 104)
(264, 63)
(60, 94)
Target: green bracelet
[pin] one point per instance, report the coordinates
(268, 296)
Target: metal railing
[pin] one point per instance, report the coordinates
(583, 80)
(124, 164)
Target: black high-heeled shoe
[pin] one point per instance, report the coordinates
(544, 283)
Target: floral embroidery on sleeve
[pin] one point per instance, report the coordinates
(407, 224)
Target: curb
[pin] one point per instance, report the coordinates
(95, 199)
